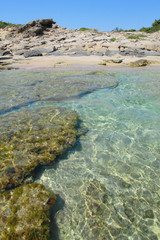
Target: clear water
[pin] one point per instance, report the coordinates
(108, 186)
(120, 157)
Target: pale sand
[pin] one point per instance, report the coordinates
(56, 61)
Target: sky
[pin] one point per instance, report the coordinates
(104, 15)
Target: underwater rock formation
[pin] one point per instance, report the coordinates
(49, 86)
(25, 212)
(101, 214)
(30, 138)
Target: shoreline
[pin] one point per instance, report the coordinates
(53, 63)
(53, 46)
(98, 62)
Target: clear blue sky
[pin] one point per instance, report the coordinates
(105, 15)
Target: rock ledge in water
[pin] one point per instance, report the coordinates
(31, 138)
(25, 213)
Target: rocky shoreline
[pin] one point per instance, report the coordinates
(46, 40)
(26, 142)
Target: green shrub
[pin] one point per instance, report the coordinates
(88, 29)
(121, 30)
(155, 27)
(117, 30)
(113, 39)
(147, 30)
(85, 29)
(142, 35)
(5, 24)
(130, 30)
(136, 36)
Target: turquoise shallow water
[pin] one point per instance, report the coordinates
(108, 186)
(119, 159)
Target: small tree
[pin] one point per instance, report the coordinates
(156, 23)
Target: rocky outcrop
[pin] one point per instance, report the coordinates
(17, 40)
(33, 28)
(138, 52)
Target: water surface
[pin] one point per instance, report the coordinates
(109, 184)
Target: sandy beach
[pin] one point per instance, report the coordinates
(49, 62)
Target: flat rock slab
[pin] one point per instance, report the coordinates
(25, 212)
(30, 138)
(32, 53)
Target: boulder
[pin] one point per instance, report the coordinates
(113, 60)
(5, 52)
(78, 52)
(42, 23)
(32, 53)
(20, 52)
(46, 23)
(139, 63)
(34, 31)
(47, 50)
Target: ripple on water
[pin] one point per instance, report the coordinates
(110, 183)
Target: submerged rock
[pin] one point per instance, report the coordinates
(139, 63)
(25, 213)
(49, 86)
(31, 138)
(100, 213)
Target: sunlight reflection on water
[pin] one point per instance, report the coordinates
(110, 181)
(108, 185)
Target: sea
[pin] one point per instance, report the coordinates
(108, 184)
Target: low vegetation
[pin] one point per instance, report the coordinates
(5, 24)
(155, 27)
(139, 36)
(121, 30)
(113, 39)
(85, 29)
(88, 29)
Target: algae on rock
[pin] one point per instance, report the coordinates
(25, 213)
(140, 63)
(30, 138)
